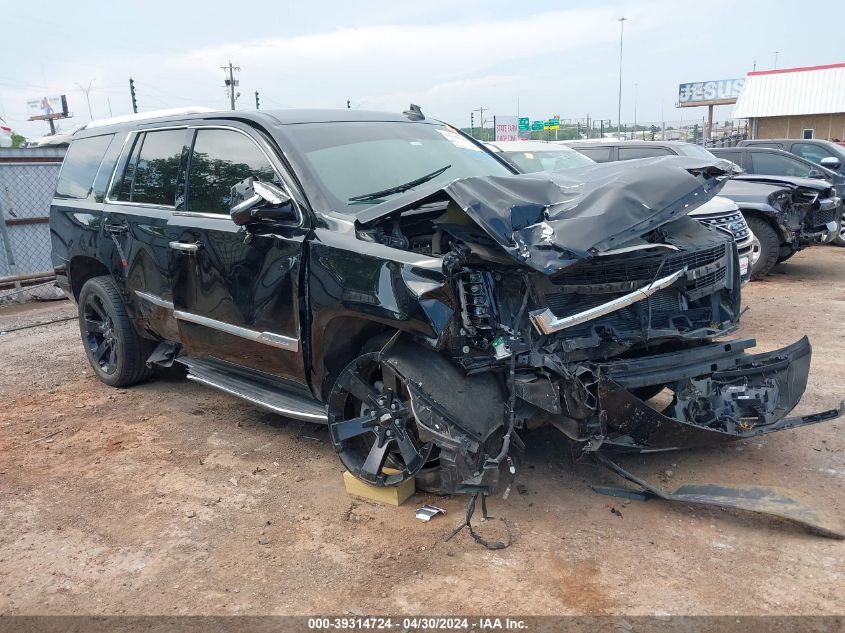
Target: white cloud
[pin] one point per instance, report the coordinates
(446, 67)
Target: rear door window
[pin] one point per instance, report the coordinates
(80, 166)
(630, 153)
(220, 160)
(598, 154)
(157, 168)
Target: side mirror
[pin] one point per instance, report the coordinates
(831, 162)
(256, 201)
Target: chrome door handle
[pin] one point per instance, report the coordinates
(188, 247)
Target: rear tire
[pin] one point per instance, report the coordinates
(116, 352)
(769, 247)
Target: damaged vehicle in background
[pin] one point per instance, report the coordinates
(785, 214)
(387, 275)
(534, 156)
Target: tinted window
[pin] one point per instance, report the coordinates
(598, 154)
(770, 164)
(813, 153)
(153, 170)
(735, 157)
(157, 167)
(80, 166)
(772, 145)
(630, 153)
(220, 160)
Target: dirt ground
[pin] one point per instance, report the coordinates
(170, 498)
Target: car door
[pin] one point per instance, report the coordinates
(147, 188)
(236, 293)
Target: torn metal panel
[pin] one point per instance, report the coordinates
(757, 499)
(549, 221)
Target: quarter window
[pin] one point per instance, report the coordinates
(220, 160)
(81, 165)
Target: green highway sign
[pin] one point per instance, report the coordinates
(553, 124)
(523, 124)
(537, 125)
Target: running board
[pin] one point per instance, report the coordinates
(264, 393)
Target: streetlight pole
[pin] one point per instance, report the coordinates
(635, 110)
(619, 108)
(87, 92)
(776, 59)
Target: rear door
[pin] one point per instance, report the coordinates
(236, 294)
(147, 188)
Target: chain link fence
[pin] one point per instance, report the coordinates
(27, 182)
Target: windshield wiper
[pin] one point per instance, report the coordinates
(398, 188)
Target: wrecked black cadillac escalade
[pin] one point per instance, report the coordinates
(387, 275)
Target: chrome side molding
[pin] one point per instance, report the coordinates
(547, 323)
(268, 338)
(155, 300)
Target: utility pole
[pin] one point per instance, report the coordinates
(132, 94)
(472, 124)
(776, 59)
(232, 83)
(87, 92)
(348, 104)
(256, 101)
(619, 105)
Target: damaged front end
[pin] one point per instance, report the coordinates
(573, 298)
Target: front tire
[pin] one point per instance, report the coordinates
(769, 247)
(116, 352)
(839, 240)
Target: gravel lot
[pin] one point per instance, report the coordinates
(169, 498)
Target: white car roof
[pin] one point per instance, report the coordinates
(527, 146)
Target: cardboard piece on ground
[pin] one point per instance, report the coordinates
(390, 495)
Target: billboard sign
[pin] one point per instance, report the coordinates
(47, 107)
(507, 128)
(702, 93)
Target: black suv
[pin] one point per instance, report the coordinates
(767, 161)
(389, 276)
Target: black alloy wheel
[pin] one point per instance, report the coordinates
(115, 350)
(372, 424)
(99, 335)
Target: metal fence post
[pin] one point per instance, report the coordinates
(10, 256)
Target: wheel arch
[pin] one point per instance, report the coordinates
(338, 344)
(81, 269)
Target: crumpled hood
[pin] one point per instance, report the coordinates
(551, 220)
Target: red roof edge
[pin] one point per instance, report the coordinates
(795, 70)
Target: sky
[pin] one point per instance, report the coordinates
(537, 59)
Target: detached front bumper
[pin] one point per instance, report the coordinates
(721, 394)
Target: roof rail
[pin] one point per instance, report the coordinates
(143, 116)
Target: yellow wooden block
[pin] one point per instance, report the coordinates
(390, 495)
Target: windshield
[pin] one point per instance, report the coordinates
(349, 161)
(546, 160)
(693, 150)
